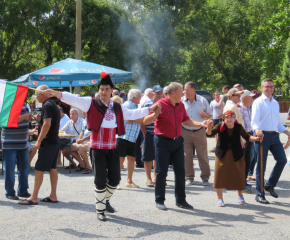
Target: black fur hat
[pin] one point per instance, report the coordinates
(105, 79)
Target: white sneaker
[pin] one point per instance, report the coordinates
(132, 185)
(189, 182)
(118, 187)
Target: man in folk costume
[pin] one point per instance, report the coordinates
(105, 119)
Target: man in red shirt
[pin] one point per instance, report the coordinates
(169, 144)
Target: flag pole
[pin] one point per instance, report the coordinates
(39, 90)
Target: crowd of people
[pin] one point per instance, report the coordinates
(159, 129)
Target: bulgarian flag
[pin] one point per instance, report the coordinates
(12, 97)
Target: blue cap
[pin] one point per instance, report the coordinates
(157, 88)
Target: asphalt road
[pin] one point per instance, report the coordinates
(136, 215)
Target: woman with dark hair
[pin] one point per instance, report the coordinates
(229, 157)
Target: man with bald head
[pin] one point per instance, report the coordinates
(47, 145)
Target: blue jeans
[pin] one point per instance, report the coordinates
(11, 157)
(138, 152)
(253, 161)
(270, 142)
(165, 151)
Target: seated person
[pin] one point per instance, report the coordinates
(83, 144)
(74, 127)
(63, 141)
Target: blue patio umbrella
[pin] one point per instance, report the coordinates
(23, 80)
(70, 70)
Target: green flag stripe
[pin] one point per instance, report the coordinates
(8, 100)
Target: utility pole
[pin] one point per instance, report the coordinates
(78, 51)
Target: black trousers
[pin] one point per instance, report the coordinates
(106, 165)
(165, 151)
(138, 151)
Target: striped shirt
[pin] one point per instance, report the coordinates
(149, 128)
(132, 129)
(247, 115)
(16, 138)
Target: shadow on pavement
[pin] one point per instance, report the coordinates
(79, 234)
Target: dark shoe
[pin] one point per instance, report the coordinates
(14, 197)
(184, 205)
(102, 217)
(161, 206)
(261, 199)
(139, 166)
(270, 189)
(109, 208)
(25, 195)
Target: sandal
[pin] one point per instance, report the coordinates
(27, 202)
(87, 171)
(72, 166)
(241, 201)
(221, 203)
(79, 168)
(47, 199)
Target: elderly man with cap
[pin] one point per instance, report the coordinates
(246, 111)
(234, 97)
(105, 119)
(148, 156)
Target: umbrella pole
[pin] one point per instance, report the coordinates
(262, 172)
(70, 86)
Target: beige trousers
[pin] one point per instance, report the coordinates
(198, 139)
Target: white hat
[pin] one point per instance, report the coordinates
(247, 93)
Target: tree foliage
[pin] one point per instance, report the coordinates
(210, 42)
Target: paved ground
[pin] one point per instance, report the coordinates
(136, 217)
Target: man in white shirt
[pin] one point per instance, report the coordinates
(63, 118)
(63, 141)
(105, 120)
(267, 124)
(74, 127)
(148, 95)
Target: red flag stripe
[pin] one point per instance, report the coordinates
(17, 106)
